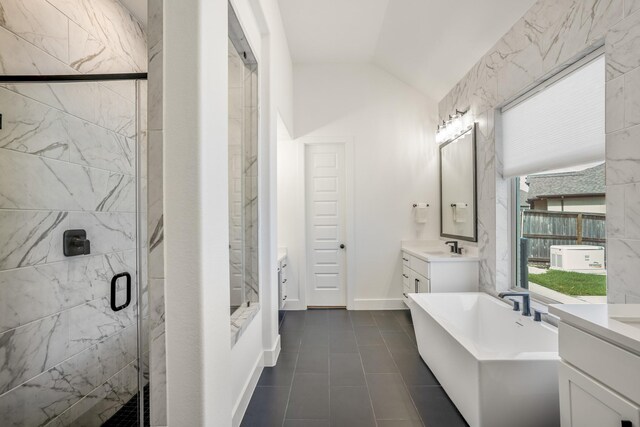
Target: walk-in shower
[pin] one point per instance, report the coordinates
(73, 287)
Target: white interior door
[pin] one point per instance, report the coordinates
(325, 219)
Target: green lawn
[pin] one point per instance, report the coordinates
(570, 283)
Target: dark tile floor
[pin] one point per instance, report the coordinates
(349, 368)
(128, 414)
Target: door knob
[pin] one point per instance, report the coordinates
(342, 246)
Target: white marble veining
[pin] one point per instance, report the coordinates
(18, 56)
(622, 47)
(39, 23)
(623, 156)
(615, 211)
(30, 237)
(110, 23)
(614, 109)
(90, 101)
(88, 54)
(631, 6)
(93, 322)
(632, 97)
(29, 350)
(31, 293)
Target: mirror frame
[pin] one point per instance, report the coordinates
(473, 238)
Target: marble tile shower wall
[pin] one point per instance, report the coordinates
(67, 155)
(157, 343)
(552, 34)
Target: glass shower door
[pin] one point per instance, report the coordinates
(72, 253)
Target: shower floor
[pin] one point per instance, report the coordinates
(128, 414)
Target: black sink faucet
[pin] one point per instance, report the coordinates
(526, 300)
(454, 246)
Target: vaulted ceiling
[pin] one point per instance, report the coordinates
(429, 44)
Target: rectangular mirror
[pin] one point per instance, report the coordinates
(458, 204)
(243, 179)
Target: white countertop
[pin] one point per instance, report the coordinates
(437, 251)
(282, 254)
(616, 323)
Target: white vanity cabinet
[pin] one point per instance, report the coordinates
(282, 281)
(599, 378)
(438, 274)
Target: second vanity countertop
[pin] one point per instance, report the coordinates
(616, 323)
(437, 251)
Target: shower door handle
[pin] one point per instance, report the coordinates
(114, 291)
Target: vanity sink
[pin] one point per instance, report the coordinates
(440, 253)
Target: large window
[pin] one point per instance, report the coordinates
(553, 139)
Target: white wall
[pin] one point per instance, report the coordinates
(393, 127)
(206, 378)
(261, 23)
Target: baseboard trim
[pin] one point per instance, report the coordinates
(294, 305)
(271, 356)
(379, 304)
(243, 403)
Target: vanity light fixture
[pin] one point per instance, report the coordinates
(453, 127)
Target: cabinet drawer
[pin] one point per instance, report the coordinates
(419, 266)
(406, 290)
(617, 368)
(406, 259)
(406, 274)
(586, 403)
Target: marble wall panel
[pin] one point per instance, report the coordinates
(630, 6)
(87, 54)
(31, 293)
(31, 237)
(39, 23)
(18, 56)
(623, 156)
(632, 98)
(155, 231)
(75, 142)
(623, 47)
(89, 101)
(29, 350)
(112, 24)
(614, 109)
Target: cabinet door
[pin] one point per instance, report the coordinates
(584, 402)
(420, 283)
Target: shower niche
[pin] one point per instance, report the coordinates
(243, 180)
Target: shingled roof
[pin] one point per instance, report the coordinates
(580, 183)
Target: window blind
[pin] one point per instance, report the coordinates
(560, 126)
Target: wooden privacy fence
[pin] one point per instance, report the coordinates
(546, 228)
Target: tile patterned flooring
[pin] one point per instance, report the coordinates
(349, 368)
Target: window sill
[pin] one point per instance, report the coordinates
(549, 296)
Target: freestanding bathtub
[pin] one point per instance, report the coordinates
(498, 367)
